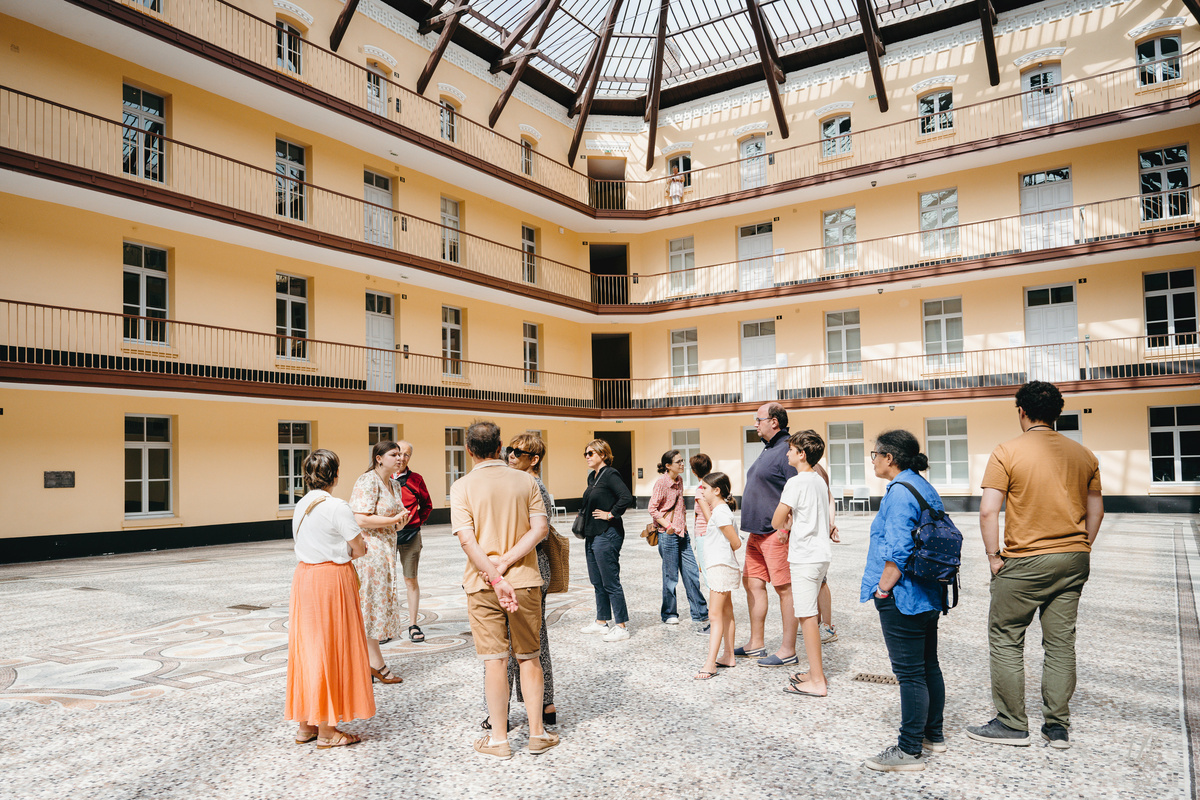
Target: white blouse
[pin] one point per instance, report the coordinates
(324, 533)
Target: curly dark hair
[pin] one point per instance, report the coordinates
(1042, 401)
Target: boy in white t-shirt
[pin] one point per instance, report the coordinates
(804, 511)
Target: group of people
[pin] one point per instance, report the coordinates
(1054, 507)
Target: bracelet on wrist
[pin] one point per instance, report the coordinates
(992, 555)
(498, 579)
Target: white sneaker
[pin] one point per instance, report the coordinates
(616, 634)
(594, 627)
(671, 621)
(828, 633)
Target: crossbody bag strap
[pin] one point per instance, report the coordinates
(921, 500)
(308, 510)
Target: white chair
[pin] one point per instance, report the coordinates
(556, 511)
(840, 495)
(861, 496)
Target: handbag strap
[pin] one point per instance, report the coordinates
(308, 510)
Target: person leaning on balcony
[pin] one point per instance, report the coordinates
(379, 511)
(674, 546)
(415, 496)
(1053, 516)
(327, 662)
(604, 501)
(675, 186)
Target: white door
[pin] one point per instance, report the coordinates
(759, 377)
(754, 163)
(376, 92)
(1052, 333)
(1041, 101)
(377, 213)
(1046, 209)
(755, 266)
(381, 341)
(752, 445)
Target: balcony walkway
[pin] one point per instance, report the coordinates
(171, 687)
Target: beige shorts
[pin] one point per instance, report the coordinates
(409, 556)
(806, 585)
(723, 578)
(490, 624)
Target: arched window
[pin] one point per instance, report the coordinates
(835, 136)
(527, 149)
(377, 89)
(287, 46)
(936, 111)
(449, 120)
(682, 161)
(1158, 59)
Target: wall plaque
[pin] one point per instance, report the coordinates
(59, 480)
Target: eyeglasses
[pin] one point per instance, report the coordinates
(877, 453)
(761, 419)
(589, 453)
(515, 451)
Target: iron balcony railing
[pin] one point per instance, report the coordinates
(239, 32)
(39, 340)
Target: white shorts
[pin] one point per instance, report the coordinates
(723, 578)
(806, 585)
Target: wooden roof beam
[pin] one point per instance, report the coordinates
(870, 28)
(660, 48)
(518, 34)
(451, 24)
(585, 78)
(343, 22)
(771, 71)
(435, 19)
(1194, 7)
(610, 24)
(987, 18)
(522, 63)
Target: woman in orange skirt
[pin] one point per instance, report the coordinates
(328, 676)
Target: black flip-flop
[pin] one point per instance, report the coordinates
(707, 676)
(725, 666)
(791, 689)
(413, 637)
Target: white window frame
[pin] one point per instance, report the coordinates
(143, 448)
(1172, 199)
(846, 455)
(1171, 337)
(451, 228)
(291, 189)
(456, 456)
(291, 484)
(687, 442)
(945, 355)
(377, 90)
(841, 355)
(527, 149)
(448, 120)
(1073, 431)
(290, 342)
(1176, 455)
(288, 40)
(1159, 67)
(143, 154)
(531, 352)
(145, 331)
(938, 218)
(529, 265)
(935, 112)
(685, 359)
(681, 264)
(839, 229)
(452, 358)
(684, 162)
(836, 136)
(380, 433)
(949, 463)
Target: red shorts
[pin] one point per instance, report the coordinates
(767, 559)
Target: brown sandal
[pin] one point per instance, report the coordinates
(304, 737)
(341, 740)
(385, 675)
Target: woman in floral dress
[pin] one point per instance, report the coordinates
(379, 512)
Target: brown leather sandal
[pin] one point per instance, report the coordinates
(304, 737)
(342, 739)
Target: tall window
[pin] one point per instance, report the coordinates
(687, 442)
(144, 115)
(456, 456)
(528, 254)
(1170, 307)
(1175, 444)
(846, 454)
(376, 91)
(835, 137)
(1164, 178)
(939, 223)
(295, 443)
(527, 157)
(943, 332)
(1158, 60)
(946, 445)
(531, 352)
(291, 316)
(450, 228)
(289, 180)
(841, 231)
(843, 342)
(287, 47)
(145, 293)
(685, 359)
(684, 163)
(147, 465)
(380, 433)
(449, 121)
(936, 111)
(452, 341)
(681, 263)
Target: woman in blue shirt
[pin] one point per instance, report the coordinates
(908, 609)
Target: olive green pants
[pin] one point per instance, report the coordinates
(1050, 584)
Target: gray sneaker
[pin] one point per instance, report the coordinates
(997, 732)
(702, 629)
(893, 759)
(933, 747)
(1056, 736)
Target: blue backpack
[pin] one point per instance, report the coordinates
(938, 551)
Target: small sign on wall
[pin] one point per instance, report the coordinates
(59, 480)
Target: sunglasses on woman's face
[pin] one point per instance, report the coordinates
(515, 451)
(589, 453)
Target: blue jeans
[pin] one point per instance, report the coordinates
(677, 556)
(604, 569)
(912, 646)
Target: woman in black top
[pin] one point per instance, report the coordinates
(604, 502)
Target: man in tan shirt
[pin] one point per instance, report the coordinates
(1052, 485)
(498, 515)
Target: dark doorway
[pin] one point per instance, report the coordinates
(607, 184)
(621, 443)
(610, 369)
(610, 273)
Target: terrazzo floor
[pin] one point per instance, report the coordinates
(161, 675)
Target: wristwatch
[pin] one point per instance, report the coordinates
(880, 593)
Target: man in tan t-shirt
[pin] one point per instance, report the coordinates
(498, 515)
(1052, 485)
